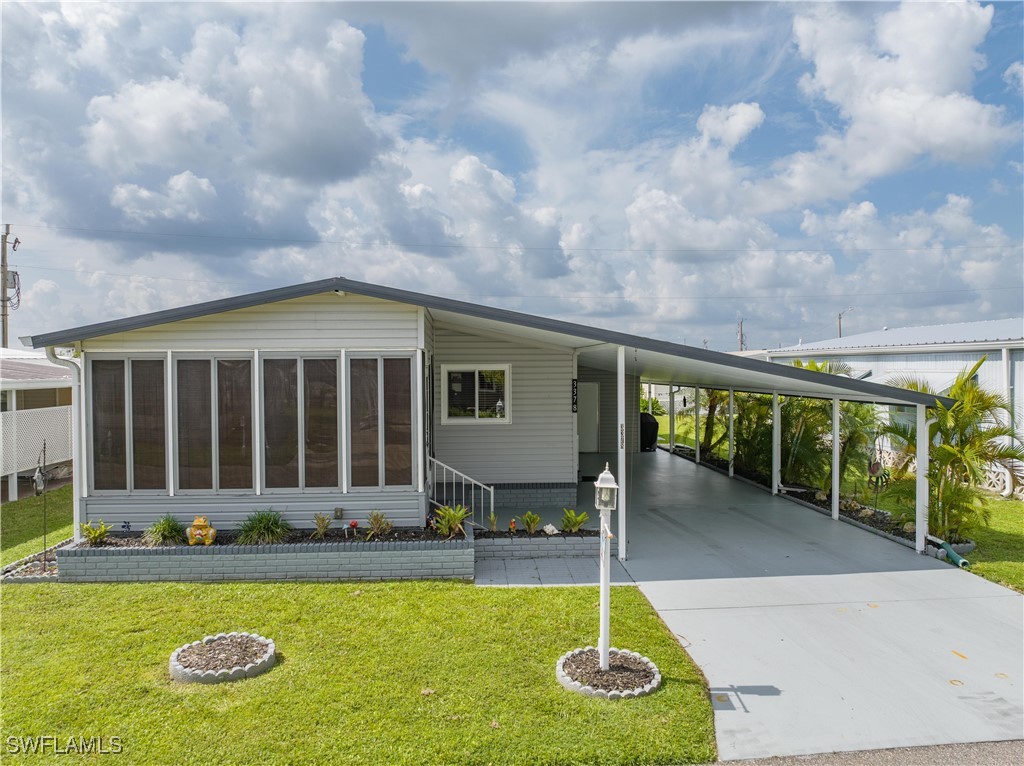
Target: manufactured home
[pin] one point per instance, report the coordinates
(339, 394)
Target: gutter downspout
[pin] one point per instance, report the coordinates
(77, 456)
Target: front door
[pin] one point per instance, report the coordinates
(588, 416)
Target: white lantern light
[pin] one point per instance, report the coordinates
(606, 491)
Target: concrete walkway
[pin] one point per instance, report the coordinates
(816, 636)
(546, 572)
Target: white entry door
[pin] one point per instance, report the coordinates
(588, 416)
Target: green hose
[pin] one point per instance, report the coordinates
(955, 557)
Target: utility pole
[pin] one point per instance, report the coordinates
(3, 278)
(740, 337)
(841, 320)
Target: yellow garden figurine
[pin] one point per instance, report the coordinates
(201, 532)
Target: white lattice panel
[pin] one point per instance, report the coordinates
(23, 432)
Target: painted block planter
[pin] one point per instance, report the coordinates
(539, 547)
(443, 560)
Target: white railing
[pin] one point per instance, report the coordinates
(447, 486)
(23, 432)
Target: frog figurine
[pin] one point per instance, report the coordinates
(201, 532)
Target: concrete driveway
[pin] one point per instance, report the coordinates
(816, 636)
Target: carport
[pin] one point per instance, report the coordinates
(634, 358)
(816, 636)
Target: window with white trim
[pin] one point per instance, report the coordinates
(475, 393)
(127, 424)
(214, 424)
(300, 423)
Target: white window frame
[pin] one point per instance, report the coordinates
(380, 356)
(476, 419)
(213, 358)
(129, 454)
(299, 358)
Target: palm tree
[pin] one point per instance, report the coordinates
(807, 428)
(967, 438)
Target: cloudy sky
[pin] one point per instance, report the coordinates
(664, 168)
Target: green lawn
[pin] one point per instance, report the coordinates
(355, 659)
(1000, 553)
(21, 524)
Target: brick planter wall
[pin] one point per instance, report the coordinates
(537, 547)
(544, 498)
(449, 560)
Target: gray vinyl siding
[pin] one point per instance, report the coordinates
(325, 321)
(403, 509)
(608, 440)
(538, 444)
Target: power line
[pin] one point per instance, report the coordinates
(814, 296)
(459, 246)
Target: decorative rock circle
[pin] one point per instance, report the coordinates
(613, 694)
(187, 675)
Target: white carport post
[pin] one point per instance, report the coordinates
(776, 443)
(696, 424)
(732, 451)
(672, 418)
(921, 520)
(835, 458)
(621, 375)
(12, 479)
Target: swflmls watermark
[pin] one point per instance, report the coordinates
(49, 743)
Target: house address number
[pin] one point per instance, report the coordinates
(575, 389)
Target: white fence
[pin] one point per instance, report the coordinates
(23, 432)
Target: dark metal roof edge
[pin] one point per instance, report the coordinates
(481, 312)
(75, 334)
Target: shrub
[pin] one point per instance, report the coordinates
(166, 530)
(492, 520)
(263, 528)
(531, 521)
(322, 523)
(95, 535)
(448, 520)
(572, 521)
(377, 525)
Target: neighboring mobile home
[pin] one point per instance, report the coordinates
(341, 394)
(35, 408)
(933, 353)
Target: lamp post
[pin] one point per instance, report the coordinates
(606, 499)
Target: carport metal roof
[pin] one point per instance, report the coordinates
(650, 359)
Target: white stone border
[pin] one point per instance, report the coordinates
(187, 676)
(7, 573)
(590, 691)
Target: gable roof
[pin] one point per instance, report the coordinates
(659, 361)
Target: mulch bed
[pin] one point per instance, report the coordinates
(520, 534)
(223, 653)
(624, 673)
(230, 537)
(880, 520)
